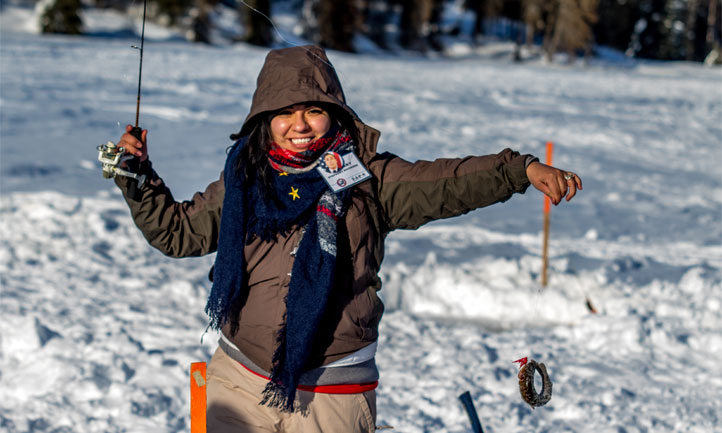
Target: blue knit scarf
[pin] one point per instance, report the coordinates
(304, 200)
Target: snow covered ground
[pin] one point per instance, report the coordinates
(98, 330)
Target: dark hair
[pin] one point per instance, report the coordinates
(252, 160)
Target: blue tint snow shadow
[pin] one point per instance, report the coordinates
(129, 34)
(32, 170)
(643, 271)
(44, 333)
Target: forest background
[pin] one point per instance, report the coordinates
(629, 327)
(650, 29)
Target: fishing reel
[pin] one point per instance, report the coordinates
(111, 156)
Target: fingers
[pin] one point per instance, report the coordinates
(557, 185)
(554, 183)
(132, 145)
(562, 184)
(553, 191)
(575, 183)
(572, 189)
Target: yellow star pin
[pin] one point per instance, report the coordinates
(294, 193)
(283, 173)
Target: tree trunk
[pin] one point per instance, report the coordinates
(375, 17)
(548, 46)
(256, 22)
(711, 24)
(337, 23)
(414, 23)
(691, 30)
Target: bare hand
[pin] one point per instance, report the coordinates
(553, 182)
(133, 146)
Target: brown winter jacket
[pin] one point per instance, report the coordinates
(400, 195)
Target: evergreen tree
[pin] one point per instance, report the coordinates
(434, 33)
(309, 21)
(375, 15)
(169, 12)
(201, 24)
(533, 17)
(673, 44)
(258, 28)
(337, 23)
(702, 25)
(61, 16)
(617, 19)
(713, 37)
(479, 8)
(572, 29)
(649, 30)
(413, 27)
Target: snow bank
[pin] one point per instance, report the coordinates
(98, 329)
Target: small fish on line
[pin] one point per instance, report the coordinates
(526, 383)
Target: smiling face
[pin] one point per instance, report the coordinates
(296, 127)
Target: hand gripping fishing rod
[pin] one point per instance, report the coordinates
(110, 155)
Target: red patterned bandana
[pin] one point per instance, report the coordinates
(280, 157)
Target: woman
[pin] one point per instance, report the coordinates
(296, 270)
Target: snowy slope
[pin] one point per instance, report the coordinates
(98, 330)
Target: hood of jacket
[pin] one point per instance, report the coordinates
(298, 75)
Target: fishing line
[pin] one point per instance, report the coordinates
(528, 368)
(278, 32)
(140, 66)
(341, 74)
(125, 75)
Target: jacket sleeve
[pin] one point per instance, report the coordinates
(178, 229)
(412, 194)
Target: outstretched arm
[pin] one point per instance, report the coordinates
(413, 193)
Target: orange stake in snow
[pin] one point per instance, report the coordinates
(198, 397)
(547, 210)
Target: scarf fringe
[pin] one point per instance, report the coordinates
(276, 396)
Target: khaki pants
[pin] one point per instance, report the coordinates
(234, 394)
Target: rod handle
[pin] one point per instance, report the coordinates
(134, 165)
(137, 132)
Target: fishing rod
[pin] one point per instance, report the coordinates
(112, 156)
(136, 131)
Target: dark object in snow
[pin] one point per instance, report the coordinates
(526, 383)
(590, 306)
(471, 411)
(45, 334)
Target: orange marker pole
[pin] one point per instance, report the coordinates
(547, 210)
(198, 397)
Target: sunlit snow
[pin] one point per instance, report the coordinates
(99, 330)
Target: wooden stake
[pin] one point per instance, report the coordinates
(547, 210)
(198, 397)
